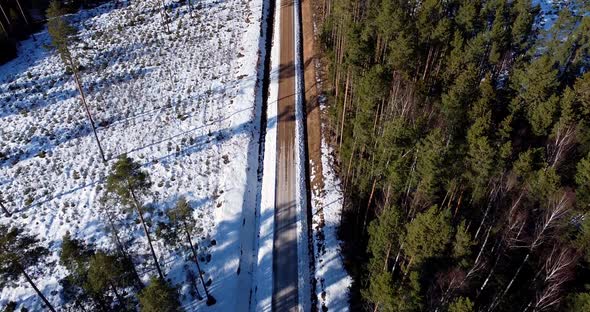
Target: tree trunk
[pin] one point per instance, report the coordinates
(345, 184)
(399, 252)
(387, 194)
(490, 274)
(347, 176)
(409, 266)
(124, 253)
(193, 282)
(4, 28)
(22, 12)
(119, 298)
(5, 16)
(344, 109)
(387, 256)
(196, 259)
(4, 209)
(458, 204)
(147, 233)
(369, 204)
(428, 58)
(489, 205)
(377, 117)
(83, 98)
(116, 234)
(498, 299)
(190, 7)
(412, 169)
(165, 16)
(39, 293)
(474, 268)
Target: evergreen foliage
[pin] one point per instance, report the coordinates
(60, 31)
(159, 296)
(463, 133)
(19, 252)
(179, 232)
(96, 278)
(127, 182)
(461, 304)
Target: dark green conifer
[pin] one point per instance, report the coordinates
(159, 296)
(18, 253)
(127, 181)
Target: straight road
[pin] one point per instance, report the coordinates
(285, 281)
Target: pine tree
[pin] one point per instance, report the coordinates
(427, 235)
(10, 307)
(522, 26)
(480, 157)
(578, 302)
(536, 86)
(499, 34)
(61, 34)
(568, 40)
(107, 273)
(381, 292)
(384, 236)
(582, 89)
(461, 304)
(127, 181)
(159, 296)
(383, 241)
(462, 244)
(467, 17)
(430, 156)
(74, 256)
(107, 203)
(183, 224)
(583, 181)
(4, 209)
(455, 102)
(582, 239)
(19, 252)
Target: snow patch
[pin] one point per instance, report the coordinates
(300, 165)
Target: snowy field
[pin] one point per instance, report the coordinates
(182, 103)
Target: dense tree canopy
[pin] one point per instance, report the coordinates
(463, 132)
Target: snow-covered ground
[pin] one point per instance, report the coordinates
(549, 10)
(332, 281)
(181, 103)
(264, 264)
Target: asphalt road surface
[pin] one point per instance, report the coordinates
(285, 281)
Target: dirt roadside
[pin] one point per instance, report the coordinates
(314, 127)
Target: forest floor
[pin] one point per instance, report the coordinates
(330, 277)
(182, 103)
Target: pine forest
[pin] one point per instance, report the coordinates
(462, 129)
